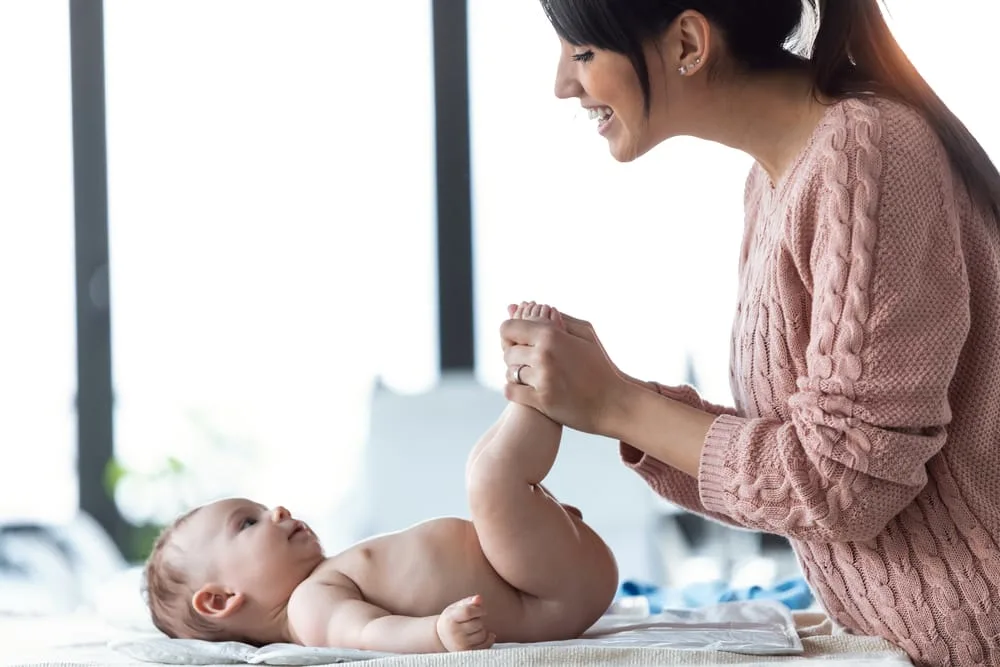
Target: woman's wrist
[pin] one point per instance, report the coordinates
(668, 430)
(645, 384)
(625, 405)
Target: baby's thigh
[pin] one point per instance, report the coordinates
(535, 620)
(581, 577)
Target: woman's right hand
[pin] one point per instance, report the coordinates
(561, 369)
(585, 330)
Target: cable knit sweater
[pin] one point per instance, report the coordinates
(866, 376)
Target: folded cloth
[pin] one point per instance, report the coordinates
(794, 593)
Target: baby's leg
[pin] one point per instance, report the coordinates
(532, 541)
(488, 437)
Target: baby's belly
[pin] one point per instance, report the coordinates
(422, 570)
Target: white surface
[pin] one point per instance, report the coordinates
(72, 641)
(757, 628)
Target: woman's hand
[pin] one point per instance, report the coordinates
(585, 330)
(564, 372)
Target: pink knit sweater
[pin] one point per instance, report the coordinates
(866, 375)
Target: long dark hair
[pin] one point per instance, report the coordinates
(853, 54)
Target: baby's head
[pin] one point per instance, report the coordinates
(223, 570)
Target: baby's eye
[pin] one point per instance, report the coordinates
(246, 523)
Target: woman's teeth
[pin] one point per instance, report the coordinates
(600, 114)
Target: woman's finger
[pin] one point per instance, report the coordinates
(519, 354)
(526, 374)
(523, 394)
(525, 332)
(579, 328)
(505, 342)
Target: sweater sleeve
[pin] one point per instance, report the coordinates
(890, 314)
(670, 483)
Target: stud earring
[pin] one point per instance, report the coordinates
(684, 69)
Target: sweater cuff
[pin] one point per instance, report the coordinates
(713, 475)
(640, 462)
(655, 473)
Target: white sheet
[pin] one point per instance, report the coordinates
(83, 640)
(759, 628)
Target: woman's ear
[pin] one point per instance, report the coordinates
(214, 601)
(693, 40)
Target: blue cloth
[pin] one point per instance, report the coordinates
(793, 593)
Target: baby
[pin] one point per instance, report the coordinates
(525, 569)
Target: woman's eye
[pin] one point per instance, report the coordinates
(584, 57)
(246, 523)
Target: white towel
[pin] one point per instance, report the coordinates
(757, 627)
(85, 640)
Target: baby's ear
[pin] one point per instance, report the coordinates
(214, 601)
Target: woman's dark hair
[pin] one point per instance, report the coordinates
(853, 54)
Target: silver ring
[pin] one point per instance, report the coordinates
(517, 374)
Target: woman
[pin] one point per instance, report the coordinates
(866, 351)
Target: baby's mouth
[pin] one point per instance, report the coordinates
(298, 528)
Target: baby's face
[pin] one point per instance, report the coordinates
(246, 548)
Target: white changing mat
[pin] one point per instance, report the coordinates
(757, 628)
(84, 640)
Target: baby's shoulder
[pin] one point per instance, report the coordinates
(315, 598)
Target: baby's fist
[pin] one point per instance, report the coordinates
(460, 626)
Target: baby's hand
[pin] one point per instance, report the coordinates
(460, 626)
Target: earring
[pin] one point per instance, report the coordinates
(684, 69)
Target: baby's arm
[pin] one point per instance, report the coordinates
(322, 614)
(328, 614)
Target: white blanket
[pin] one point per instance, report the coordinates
(760, 628)
(85, 640)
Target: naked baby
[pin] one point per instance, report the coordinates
(524, 569)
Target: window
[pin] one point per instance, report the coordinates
(272, 248)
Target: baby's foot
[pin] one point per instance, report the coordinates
(529, 310)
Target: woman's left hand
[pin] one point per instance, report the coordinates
(567, 377)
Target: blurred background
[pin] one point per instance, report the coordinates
(263, 248)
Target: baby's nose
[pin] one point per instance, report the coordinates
(280, 514)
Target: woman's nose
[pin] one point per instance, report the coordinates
(567, 84)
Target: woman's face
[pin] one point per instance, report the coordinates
(607, 86)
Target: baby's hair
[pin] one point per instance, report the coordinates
(168, 591)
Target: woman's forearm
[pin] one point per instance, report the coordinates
(667, 430)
